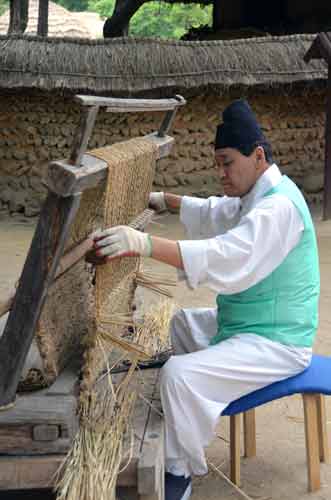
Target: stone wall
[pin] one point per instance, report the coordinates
(36, 129)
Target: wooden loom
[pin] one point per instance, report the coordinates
(45, 422)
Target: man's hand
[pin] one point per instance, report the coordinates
(121, 241)
(157, 201)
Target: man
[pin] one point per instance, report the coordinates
(256, 247)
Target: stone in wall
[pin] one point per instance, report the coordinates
(37, 129)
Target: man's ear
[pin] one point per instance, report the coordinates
(260, 155)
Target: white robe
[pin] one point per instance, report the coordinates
(234, 243)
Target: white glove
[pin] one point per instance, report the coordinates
(157, 201)
(122, 241)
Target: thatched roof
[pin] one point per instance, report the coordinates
(61, 22)
(129, 66)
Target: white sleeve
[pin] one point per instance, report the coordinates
(205, 218)
(243, 256)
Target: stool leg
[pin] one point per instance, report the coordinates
(322, 429)
(249, 434)
(312, 445)
(235, 449)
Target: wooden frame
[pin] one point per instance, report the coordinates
(317, 447)
(65, 182)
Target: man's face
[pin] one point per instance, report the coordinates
(238, 173)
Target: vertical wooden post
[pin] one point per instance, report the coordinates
(327, 165)
(19, 13)
(83, 133)
(249, 433)
(43, 18)
(235, 448)
(312, 443)
(322, 429)
(38, 273)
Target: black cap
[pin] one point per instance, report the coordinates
(240, 128)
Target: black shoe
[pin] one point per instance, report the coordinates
(177, 487)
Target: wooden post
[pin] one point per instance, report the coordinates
(83, 133)
(249, 433)
(327, 167)
(38, 273)
(235, 448)
(322, 429)
(19, 13)
(312, 442)
(43, 18)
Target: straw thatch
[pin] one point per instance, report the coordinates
(61, 22)
(130, 66)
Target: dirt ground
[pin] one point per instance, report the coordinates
(279, 470)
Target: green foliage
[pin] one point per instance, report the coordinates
(160, 19)
(74, 5)
(4, 4)
(154, 18)
(103, 7)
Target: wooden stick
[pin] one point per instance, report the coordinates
(228, 480)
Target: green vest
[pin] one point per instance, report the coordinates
(283, 307)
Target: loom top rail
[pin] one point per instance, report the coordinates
(65, 182)
(119, 105)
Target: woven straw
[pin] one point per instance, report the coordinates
(75, 308)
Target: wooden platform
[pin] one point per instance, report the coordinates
(37, 433)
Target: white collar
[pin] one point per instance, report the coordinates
(269, 179)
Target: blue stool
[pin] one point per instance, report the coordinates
(313, 383)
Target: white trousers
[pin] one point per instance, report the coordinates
(200, 380)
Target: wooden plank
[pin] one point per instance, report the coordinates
(128, 477)
(235, 448)
(324, 450)
(66, 180)
(249, 433)
(23, 427)
(151, 467)
(42, 29)
(40, 409)
(327, 165)
(130, 105)
(18, 17)
(82, 135)
(25, 473)
(38, 273)
(312, 443)
(67, 382)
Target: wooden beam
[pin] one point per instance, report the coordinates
(38, 273)
(83, 134)
(322, 429)
(18, 17)
(43, 18)
(249, 433)
(131, 105)
(312, 442)
(35, 425)
(327, 164)
(235, 448)
(27, 473)
(66, 180)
